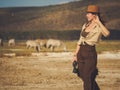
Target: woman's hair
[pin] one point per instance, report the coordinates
(100, 17)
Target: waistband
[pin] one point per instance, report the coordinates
(85, 44)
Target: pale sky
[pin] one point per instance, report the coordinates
(20, 3)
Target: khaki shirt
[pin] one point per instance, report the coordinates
(92, 38)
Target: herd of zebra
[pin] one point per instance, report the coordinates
(38, 44)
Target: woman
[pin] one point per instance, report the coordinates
(85, 53)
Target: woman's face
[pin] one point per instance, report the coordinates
(90, 16)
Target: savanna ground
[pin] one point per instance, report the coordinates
(53, 70)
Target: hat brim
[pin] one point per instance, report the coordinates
(92, 12)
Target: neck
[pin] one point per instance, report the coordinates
(88, 23)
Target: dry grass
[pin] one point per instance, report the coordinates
(21, 50)
(47, 72)
(53, 71)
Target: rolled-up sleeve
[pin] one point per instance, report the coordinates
(79, 41)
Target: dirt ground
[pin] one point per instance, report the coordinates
(53, 71)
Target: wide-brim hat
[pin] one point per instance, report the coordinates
(93, 9)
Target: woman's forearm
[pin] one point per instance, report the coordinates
(77, 50)
(105, 31)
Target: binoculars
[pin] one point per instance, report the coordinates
(75, 67)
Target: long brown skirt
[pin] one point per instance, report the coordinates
(87, 70)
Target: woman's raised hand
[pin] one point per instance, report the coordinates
(96, 19)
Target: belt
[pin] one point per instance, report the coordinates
(85, 44)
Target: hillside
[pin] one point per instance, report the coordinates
(70, 16)
(58, 21)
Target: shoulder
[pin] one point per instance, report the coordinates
(84, 25)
